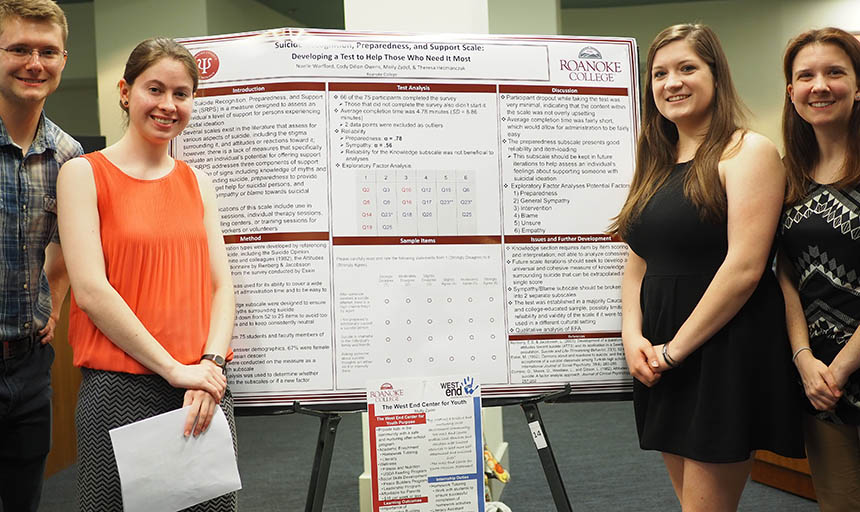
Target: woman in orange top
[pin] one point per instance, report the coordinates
(152, 295)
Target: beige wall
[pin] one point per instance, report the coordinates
(518, 17)
(75, 105)
(460, 16)
(798, 16)
(229, 16)
(105, 31)
(119, 26)
(82, 52)
(753, 34)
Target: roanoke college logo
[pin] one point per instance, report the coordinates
(589, 66)
(207, 64)
(386, 393)
(590, 52)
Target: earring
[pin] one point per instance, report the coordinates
(125, 103)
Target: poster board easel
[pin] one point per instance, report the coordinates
(464, 124)
(330, 419)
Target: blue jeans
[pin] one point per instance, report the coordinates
(25, 427)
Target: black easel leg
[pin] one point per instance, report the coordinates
(322, 462)
(547, 459)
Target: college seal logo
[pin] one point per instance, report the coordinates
(589, 52)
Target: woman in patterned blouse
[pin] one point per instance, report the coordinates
(819, 264)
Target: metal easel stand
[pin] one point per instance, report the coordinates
(541, 440)
(322, 459)
(544, 448)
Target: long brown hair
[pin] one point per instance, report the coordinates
(657, 151)
(801, 146)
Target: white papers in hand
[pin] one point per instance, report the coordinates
(160, 469)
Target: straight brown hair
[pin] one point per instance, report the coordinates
(801, 146)
(657, 150)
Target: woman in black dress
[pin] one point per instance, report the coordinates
(820, 253)
(703, 317)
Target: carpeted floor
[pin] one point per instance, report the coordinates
(594, 443)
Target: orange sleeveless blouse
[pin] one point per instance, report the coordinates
(157, 258)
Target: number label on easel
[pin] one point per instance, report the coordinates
(537, 435)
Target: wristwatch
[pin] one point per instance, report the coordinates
(215, 358)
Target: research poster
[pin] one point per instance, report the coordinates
(399, 205)
(426, 452)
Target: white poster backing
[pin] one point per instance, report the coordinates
(407, 204)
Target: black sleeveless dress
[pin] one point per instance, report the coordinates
(736, 393)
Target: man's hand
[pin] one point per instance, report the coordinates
(47, 333)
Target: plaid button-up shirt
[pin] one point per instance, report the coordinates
(28, 222)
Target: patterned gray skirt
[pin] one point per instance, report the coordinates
(108, 400)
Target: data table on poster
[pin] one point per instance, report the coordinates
(401, 147)
(410, 203)
(402, 205)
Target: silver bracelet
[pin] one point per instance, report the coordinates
(666, 357)
(798, 351)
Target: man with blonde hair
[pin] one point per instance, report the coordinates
(33, 279)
